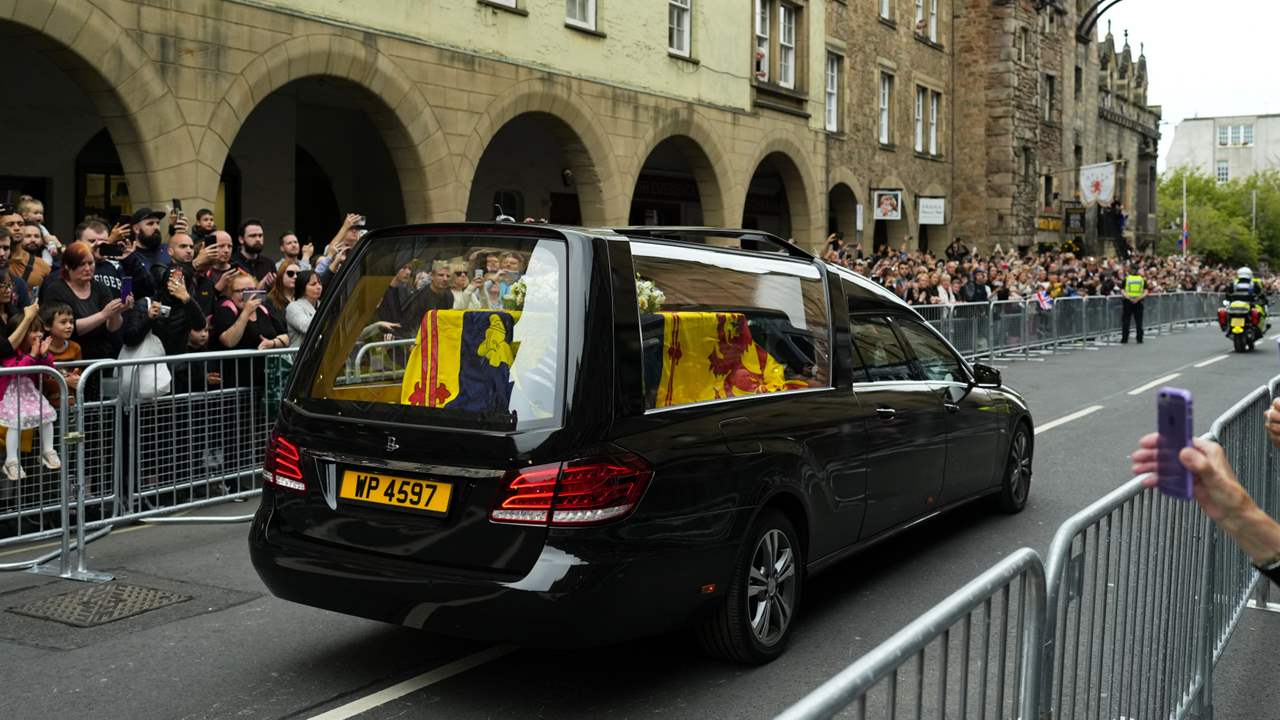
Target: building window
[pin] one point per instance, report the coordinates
(580, 13)
(1048, 192)
(1022, 45)
(833, 92)
(920, 21)
(920, 94)
(787, 46)
(886, 101)
(1237, 135)
(1079, 88)
(1028, 162)
(935, 102)
(886, 9)
(933, 20)
(1050, 88)
(762, 40)
(1224, 171)
(679, 14)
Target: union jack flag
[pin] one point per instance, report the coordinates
(1046, 302)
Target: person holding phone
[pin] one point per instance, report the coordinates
(241, 322)
(1221, 495)
(98, 309)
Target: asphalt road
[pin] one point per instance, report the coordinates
(234, 651)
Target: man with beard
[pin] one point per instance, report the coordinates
(32, 210)
(250, 258)
(404, 305)
(292, 249)
(148, 247)
(24, 260)
(186, 293)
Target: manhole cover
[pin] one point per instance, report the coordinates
(99, 604)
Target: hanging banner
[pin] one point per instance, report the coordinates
(1075, 220)
(887, 205)
(933, 211)
(858, 226)
(1098, 183)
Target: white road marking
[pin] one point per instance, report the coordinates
(1154, 383)
(1068, 418)
(426, 679)
(1276, 336)
(1212, 360)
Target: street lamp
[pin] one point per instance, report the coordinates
(1089, 21)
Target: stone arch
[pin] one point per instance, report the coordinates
(583, 142)
(135, 103)
(405, 120)
(797, 177)
(703, 153)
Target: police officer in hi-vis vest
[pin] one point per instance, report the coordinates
(1135, 291)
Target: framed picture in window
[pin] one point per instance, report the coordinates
(887, 205)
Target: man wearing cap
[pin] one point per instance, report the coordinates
(148, 248)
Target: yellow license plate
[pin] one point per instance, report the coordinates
(1237, 322)
(400, 492)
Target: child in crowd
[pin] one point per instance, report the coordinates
(22, 407)
(61, 322)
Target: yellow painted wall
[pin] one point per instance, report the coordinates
(632, 55)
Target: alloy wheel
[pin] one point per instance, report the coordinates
(771, 587)
(1019, 468)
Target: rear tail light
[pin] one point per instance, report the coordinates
(1222, 317)
(282, 466)
(579, 492)
(1254, 316)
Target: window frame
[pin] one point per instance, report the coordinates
(885, 11)
(675, 8)
(589, 8)
(1224, 135)
(933, 21)
(831, 92)
(1049, 83)
(787, 52)
(763, 18)
(1021, 48)
(1246, 135)
(1223, 172)
(935, 110)
(885, 114)
(887, 322)
(921, 91)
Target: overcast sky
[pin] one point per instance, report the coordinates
(1205, 57)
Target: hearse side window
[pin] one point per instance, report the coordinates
(935, 359)
(716, 325)
(885, 358)
(851, 294)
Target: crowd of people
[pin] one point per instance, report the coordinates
(962, 274)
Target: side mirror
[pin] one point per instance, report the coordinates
(986, 376)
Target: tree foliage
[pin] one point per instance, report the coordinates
(1221, 216)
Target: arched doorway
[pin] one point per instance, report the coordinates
(776, 201)
(309, 153)
(533, 167)
(842, 214)
(58, 144)
(677, 185)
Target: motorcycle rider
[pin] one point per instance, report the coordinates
(1248, 288)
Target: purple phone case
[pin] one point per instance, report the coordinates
(126, 288)
(1173, 415)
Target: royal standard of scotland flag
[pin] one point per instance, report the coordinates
(710, 355)
(461, 360)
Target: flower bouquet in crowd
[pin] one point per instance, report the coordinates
(514, 299)
(648, 297)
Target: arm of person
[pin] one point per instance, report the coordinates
(232, 335)
(297, 318)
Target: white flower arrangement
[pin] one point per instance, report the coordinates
(648, 297)
(543, 287)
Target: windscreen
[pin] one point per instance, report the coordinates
(463, 331)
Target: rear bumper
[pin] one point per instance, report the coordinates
(580, 592)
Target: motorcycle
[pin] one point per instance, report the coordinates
(1243, 323)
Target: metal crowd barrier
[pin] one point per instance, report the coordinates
(1010, 328)
(1141, 596)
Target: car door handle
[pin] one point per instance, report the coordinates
(886, 414)
(951, 407)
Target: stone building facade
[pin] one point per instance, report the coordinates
(297, 111)
(909, 46)
(1046, 103)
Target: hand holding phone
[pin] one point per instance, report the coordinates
(126, 288)
(1173, 415)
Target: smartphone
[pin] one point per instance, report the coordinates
(1173, 415)
(177, 205)
(479, 273)
(254, 294)
(110, 250)
(126, 288)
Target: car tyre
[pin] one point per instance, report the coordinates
(1015, 486)
(752, 623)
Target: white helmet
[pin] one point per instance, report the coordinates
(1244, 272)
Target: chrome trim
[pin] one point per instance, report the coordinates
(411, 467)
(740, 398)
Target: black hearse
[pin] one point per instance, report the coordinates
(560, 436)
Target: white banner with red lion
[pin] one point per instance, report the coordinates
(1098, 183)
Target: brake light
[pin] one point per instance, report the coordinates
(282, 467)
(1254, 317)
(579, 492)
(1222, 317)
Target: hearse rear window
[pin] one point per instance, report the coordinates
(449, 330)
(719, 325)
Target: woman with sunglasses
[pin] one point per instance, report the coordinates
(282, 292)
